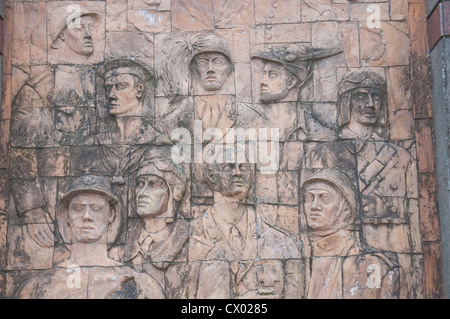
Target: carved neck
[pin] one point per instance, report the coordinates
(231, 211)
(128, 127)
(156, 225)
(361, 130)
(90, 254)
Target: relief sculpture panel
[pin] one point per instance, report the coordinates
(211, 149)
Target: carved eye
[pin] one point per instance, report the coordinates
(121, 86)
(218, 62)
(309, 198)
(273, 74)
(202, 63)
(243, 167)
(326, 198)
(376, 97)
(78, 208)
(140, 184)
(96, 208)
(228, 168)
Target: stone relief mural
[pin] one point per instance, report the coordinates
(101, 208)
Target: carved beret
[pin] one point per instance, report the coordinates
(62, 16)
(338, 180)
(296, 58)
(362, 79)
(89, 183)
(125, 66)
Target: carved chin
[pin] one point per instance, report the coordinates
(270, 98)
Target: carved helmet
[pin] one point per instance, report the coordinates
(62, 16)
(338, 180)
(362, 79)
(87, 184)
(209, 43)
(356, 80)
(296, 58)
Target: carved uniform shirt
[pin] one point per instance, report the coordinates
(141, 246)
(92, 283)
(219, 257)
(340, 268)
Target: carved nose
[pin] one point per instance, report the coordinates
(315, 205)
(87, 216)
(370, 101)
(87, 32)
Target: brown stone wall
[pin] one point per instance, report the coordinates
(93, 202)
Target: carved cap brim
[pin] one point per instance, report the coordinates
(125, 66)
(296, 58)
(92, 184)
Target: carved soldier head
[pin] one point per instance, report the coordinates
(329, 201)
(231, 180)
(286, 69)
(73, 25)
(363, 103)
(126, 86)
(88, 212)
(159, 189)
(211, 62)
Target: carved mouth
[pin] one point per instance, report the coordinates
(87, 42)
(368, 111)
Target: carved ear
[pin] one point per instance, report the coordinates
(178, 192)
(210, 178)
(346, 212)
(140, 90)
(113, 214)
(292, 82)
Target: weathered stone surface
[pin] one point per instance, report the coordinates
(76, 32)
(326, 188)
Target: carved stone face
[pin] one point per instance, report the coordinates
(212, 70)
(366, 105)
(89, 215)
(77, 35)
(152, 196)
(275, 82)
(322, 203)
(123, 95)
(232, 180)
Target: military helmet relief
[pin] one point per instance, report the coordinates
(211, 149)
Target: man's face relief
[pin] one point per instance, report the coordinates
(212, 70)
(123, 95)
(232, 179)
(89, 215)
(322, 205)
(276, 82)
(152, 196)
(78, 35)
(366, 105)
